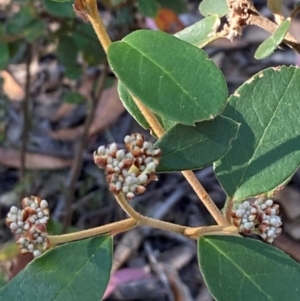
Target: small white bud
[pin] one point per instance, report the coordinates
(13, 226)
(22, 240)
(113, 148)
(44, 204)
(36, 253)
(34, 206)
(127, 139)
(271, 232)
(142, 179)
(40, 214)
(39, 240)
(120, 154)
(14, 210)
(269, 203)
(101, 151)
(19, 231)
(31, 247)
(240, 212)
(151, 167)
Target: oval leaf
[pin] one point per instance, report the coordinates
(236, 269)
(192, 147)
(219, 7)
(266, 152)
(271, 43)
(201, 33)
(76, 271)
(175, 79)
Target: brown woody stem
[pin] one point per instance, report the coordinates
(111, 229)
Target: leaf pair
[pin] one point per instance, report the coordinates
(183, 88)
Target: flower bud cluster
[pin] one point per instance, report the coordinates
(128, 170)
(258, 217)
(29, 225)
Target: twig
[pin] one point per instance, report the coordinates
(205, 198)
(77, 162)
(147, 221)
(26, 119)
(90, 7)
(111, 229)
(266, 24)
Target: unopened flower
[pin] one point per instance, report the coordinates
(129, 170)
(260, 217)
(29, 225)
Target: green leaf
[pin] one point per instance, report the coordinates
(74, 97)
(266, 152)
(34, 30)
(4, 57)
(61, 0)
(148, 7)
(201, 33)
(67, 51)
(132, 108)
(72, 272)
(175, 79)
(63, 10)
(219, 7)
(236, 269)
(178, 6)
(193, 147)
(16, 24)
(267, 47)
(73, 72)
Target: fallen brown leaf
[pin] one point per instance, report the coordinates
(11, 87)
(108, 111)
(12, 158)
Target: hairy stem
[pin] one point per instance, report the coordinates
(155, 125)
(147, 221)
(195, 233)
(205, 198)
(97, 23)
(111, 229)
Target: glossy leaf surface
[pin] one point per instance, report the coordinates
(266, 152)
(74, 272)
(193, 147)
(236, 268)
(173, 78)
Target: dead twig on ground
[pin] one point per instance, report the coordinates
(77, 162)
